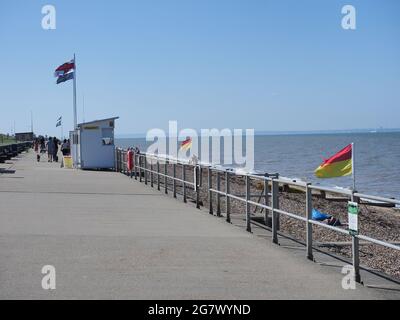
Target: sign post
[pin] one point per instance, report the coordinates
(352, 211)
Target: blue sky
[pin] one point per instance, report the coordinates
(268, 65)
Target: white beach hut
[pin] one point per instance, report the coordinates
(92, 144)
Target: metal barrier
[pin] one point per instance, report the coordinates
(11, 150)
(271, 196)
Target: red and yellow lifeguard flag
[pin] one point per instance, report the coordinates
(187, 144)
(338, 165)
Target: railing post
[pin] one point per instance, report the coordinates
(151, 173)
(275, 205)
(248, 222)
(278, 215)
(174, 181)
(165, 176)
(158, 175)
(119, 160)
(309, 228)
(184, 182)
(218, 194)
(145, 169)
(118, 154)
(227, 198)
(140, 167)
(124, 162)
(355, 248)
(131, 172)
(136, 164)
(210, 204)
(266, 197)
(197, 185)
(115, 158)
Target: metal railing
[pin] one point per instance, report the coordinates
(11, 150)
(270, 205)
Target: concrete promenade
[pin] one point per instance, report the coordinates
(109, 236)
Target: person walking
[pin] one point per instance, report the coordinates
(36, 148)
(42, 145)
(65, 148)
(50, 149)
(55, 151)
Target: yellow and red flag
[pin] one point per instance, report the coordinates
(338, 165)
(187, 144)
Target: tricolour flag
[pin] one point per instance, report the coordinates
(64, 68)
(65, 77)
(187, 144)
(65, 72)
(59, 122)
(338, 165)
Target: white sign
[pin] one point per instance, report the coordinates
(352, 210)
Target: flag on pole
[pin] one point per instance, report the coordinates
(64, 68)
(187, 144)
(65, 77)
(59, 122)
(64, 72)
(338, 165)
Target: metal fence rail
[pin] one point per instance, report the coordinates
(144, 164)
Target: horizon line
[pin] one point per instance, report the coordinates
(287, 132)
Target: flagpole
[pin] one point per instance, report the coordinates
(352, 166)
(75, 115)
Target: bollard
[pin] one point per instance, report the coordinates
(209, 191)
(309, 228)
(218, 194)
(174, 181)
(227, 198)
(275, 205)
(184, 182)
(248, 222)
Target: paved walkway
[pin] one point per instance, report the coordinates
(111, 237)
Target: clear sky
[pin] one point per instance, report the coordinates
(267, 64)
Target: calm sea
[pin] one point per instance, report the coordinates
(377, 158)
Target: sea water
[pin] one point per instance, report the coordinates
(377, 158)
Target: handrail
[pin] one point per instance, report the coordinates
(270, 195)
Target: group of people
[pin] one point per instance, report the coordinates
(51, 146)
